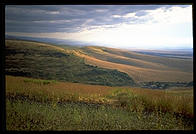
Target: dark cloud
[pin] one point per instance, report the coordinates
(68, 18)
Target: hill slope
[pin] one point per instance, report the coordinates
(40, 60)
(140, 67)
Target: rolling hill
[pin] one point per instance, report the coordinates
(40, 60)
(51, 87)
(140, 67)
(93, 64)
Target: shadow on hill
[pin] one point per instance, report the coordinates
(45, 62)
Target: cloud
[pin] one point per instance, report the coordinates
(30, 16)
(124, 25)
(116, 16)
(130, 15)
(101, 10)
(172, 15)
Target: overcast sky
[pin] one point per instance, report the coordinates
(128, 26)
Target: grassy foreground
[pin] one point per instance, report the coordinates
(33, 104)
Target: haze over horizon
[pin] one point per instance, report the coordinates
(120, 26)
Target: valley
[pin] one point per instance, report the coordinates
(97, 67)
(55, 87)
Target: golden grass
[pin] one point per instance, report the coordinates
(143, 68)
(137, 73)
(58, 87)
(175, 102)
(172, 101)
(134, 61)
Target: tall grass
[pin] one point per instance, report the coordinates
(71, 106)
(24, 115)
(141, 100)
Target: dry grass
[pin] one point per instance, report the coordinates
(141, 68)
(137, 73)
(178, 102)
(29, 99)
(102, 55)
(63, 90)
(172, 101)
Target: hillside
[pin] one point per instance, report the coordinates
(141, 67)
(92, 64)
(60, 90)
(40, 60)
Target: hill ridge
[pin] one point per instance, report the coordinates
(39, 60)
(140, 67)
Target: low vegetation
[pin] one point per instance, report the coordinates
(40, 82)
(32, 105)
(164, 85)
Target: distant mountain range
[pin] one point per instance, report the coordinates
(81, 43)
(50, 40)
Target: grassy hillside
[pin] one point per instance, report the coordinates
(35, 104)
(141, 67)
(74, 88)
(73, 63)
(39, 60)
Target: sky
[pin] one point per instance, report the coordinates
(119, 26)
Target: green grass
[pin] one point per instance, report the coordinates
(34, 106)
(24, 115)
(182, 105)
(31, 59)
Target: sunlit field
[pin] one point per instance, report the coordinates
(99, 67)
(35, 104)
